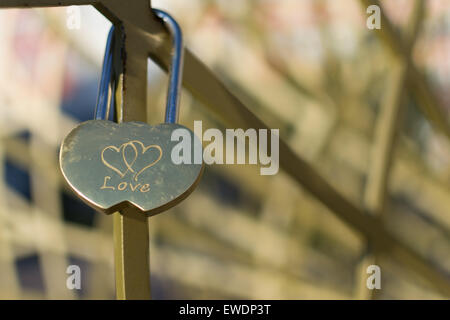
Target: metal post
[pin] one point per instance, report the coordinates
(130, 226)
(146, 36)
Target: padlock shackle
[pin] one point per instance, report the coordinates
(175, 68)
(103, 106)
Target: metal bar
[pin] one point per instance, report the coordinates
(416, 80)
(176, 66)
(131, 255)
(145, 35)
(131, 233)
(213, 94)
(102, 109)
(44, 3)
(382, 154)
(130, 229)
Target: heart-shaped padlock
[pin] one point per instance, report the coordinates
(112, 166)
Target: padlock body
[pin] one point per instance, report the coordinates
(112, 166)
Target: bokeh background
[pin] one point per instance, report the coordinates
(340, 95)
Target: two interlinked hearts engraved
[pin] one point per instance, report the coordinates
(129, 165)
(112, 166)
